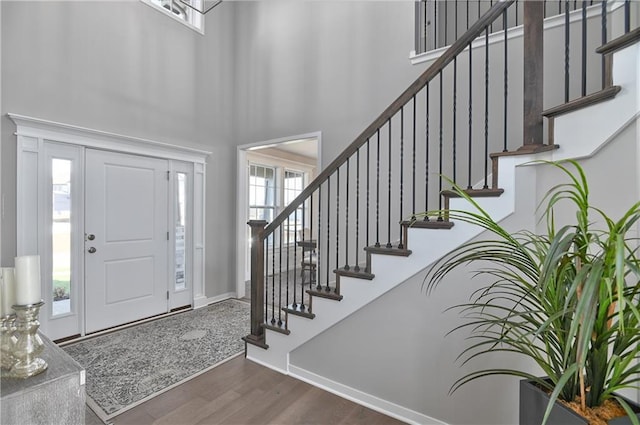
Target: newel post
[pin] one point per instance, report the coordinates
(256, 336)
(533, 74)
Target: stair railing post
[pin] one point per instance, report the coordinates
(257, 281)
(533, 75)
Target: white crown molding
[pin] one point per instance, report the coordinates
(67, 133)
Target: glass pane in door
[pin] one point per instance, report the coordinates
(181, 225)
(61, 235)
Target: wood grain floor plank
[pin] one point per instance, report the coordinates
(240, 392)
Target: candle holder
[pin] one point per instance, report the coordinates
(28, 344)
(7, 342)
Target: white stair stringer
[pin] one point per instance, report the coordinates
(580, 134)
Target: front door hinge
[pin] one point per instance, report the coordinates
(168, 172)
(167, 294)
(167, 235)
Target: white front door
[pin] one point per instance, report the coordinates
(126, 238)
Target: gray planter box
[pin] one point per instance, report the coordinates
(534, 401)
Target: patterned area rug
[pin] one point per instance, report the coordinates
(129, 366)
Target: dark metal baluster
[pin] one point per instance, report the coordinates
(479, 9)
(467, 14)
(516, 13)
(470, 118)
(544, 8)
(455, 114)
(490, 6)
(312, 270)
(368, 209)
(319, 255)
(566, 51)
(357, 266)
(378, 192)
(504, 20)
(273, 278)
(436, 39)
(486, 108)
(287, 267)
(456, 20)
(295, 253)
(338, 217)
(446, 22)
(294, 288)
(584, 48)
(400, 244)
(265, 244)
(426, 26)
(346, 230)
(389, 191)
(426, 155)
(603, 60)
(327, 288)
(413, 164)
(280, 281)
(627, 15)
(440, 149)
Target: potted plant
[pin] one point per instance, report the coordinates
(566, 299)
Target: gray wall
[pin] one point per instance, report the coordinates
(121, 67)
(395, 348)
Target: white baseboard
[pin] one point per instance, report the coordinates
(372, 402)
(203, 301)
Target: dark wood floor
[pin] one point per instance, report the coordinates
(242, 392)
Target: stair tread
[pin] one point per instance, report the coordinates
(277, 328)
(474, 193)
(393, 250)
(351, 272)
(258, 342)
(325, 294)
(620, 42)
(526, 150)
(298, 311)
(597, 97)
(428, 224)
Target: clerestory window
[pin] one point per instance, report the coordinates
(184, 11)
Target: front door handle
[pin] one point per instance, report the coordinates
(91, 250)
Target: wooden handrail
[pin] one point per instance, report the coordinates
(454, 50)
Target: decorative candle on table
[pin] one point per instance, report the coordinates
(27, 280)
(7, 291)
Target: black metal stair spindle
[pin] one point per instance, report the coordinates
(346, 230)
(470, 119)
(603, 60)
(294, 288)
(378, 191)
(486, 109)
(504, 20)
(280, 280)
(357, 266)
(413, 164)
(426, 154)
(584, 49)
(312, 270)
(440, 149)
(368, 209)
(273, 278)
(327, 288)
(566, 51)
(400, 244)
(265, 244)
(627, 15)
(446, 21)
(287, 267)
(455, 116)
(337, 217)
(389, 191)
(436, 39)
(319, 255)
(295, 252)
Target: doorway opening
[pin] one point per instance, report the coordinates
(270, 175)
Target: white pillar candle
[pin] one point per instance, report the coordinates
(28, 279)
(7, 291)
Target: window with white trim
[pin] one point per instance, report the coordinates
(185, 11)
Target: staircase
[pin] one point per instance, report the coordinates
(364, 211)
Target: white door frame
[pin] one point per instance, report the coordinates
(242, 200)
(33, 133)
